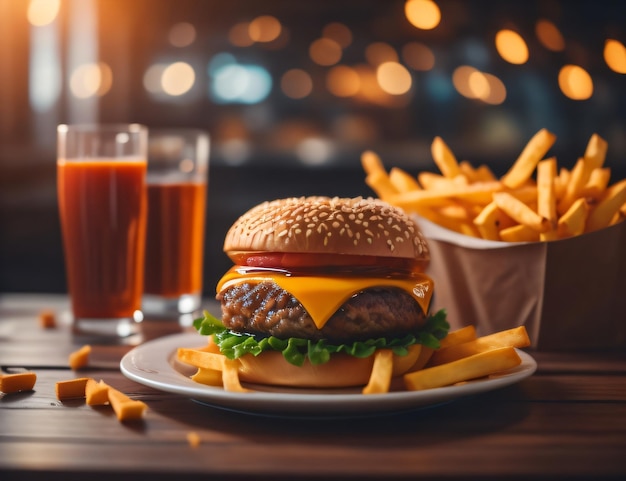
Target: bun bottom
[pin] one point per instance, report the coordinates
(342, 370)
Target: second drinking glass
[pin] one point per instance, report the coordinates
(177, 189)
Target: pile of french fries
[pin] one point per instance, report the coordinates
(462, 357)
(533, 201)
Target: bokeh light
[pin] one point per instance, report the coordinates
(511, 47)
(615, 55)
(422, 14)
(343, 81)
(296, 83)
(182, 34)
(575, 82)
(264, 29)
(338, 32)
(239, 35)
(42, 12)
(380, 52)
(549, 35)
(233, 82)
(393, 78)
(418, 56)
(90, 80)
(177, 78)
(325, 52)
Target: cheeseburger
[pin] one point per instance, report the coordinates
(319, 284)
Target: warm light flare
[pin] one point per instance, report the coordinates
(339, 33)
(325, 52)
(615, 55)
(182, 34)
(296, 83)
(177, 78)
(42, 12)
(380, 52)
(575, 82)
(511, 47)
(265, 28)
(393, 78)
(418, 56)
(549, 35)
(422, 14)
(239, 35)
(90, 80)
(343, 81)
(474, 84)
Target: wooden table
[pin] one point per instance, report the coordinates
(568, 420)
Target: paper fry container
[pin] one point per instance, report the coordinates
(570, 293)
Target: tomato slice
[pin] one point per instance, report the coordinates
(325, 262)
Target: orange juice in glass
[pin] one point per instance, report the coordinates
(102, 196)
(177, 190)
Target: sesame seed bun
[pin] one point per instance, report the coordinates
(324, 225)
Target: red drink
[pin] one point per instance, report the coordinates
(175, 239)
(103, 205)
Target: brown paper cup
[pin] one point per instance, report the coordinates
(570, 293)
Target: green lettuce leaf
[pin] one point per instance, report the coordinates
(296, 350)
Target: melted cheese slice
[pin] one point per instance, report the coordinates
(322, 295)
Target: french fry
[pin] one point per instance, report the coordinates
(380, 183)
(71, 388)
(382, 370)
(433, 181)
(533, 152)
(519, 233)
(560, 183)
(17, 382)
(519, 211)
(402, 180)
(210, 377)
(488, 222)
(602, 214)
(484, 174)
(371, 162)
(515, 337)
(126, 409)
(458, 336)
(444, 158)
(470, 173)
(572, 223)
(597, 184)
(472, 367)
(546, 196)
(201, 359)
(480, 193)
(377, 177)
(96, 393)
(230, 376)
(578, 179)
(595, 152)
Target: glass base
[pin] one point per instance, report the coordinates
(107, 330)
(154, 305)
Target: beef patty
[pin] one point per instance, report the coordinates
(266, 309)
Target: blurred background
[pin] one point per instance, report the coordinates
(292, 92)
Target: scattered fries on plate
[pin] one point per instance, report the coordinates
(462, 357)
(533, 201)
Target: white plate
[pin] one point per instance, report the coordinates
(154, 364)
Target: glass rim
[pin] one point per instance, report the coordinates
(95, 127)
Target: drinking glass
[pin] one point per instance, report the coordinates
(101, 181)
(177, 189)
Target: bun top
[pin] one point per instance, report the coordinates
(324, 225)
